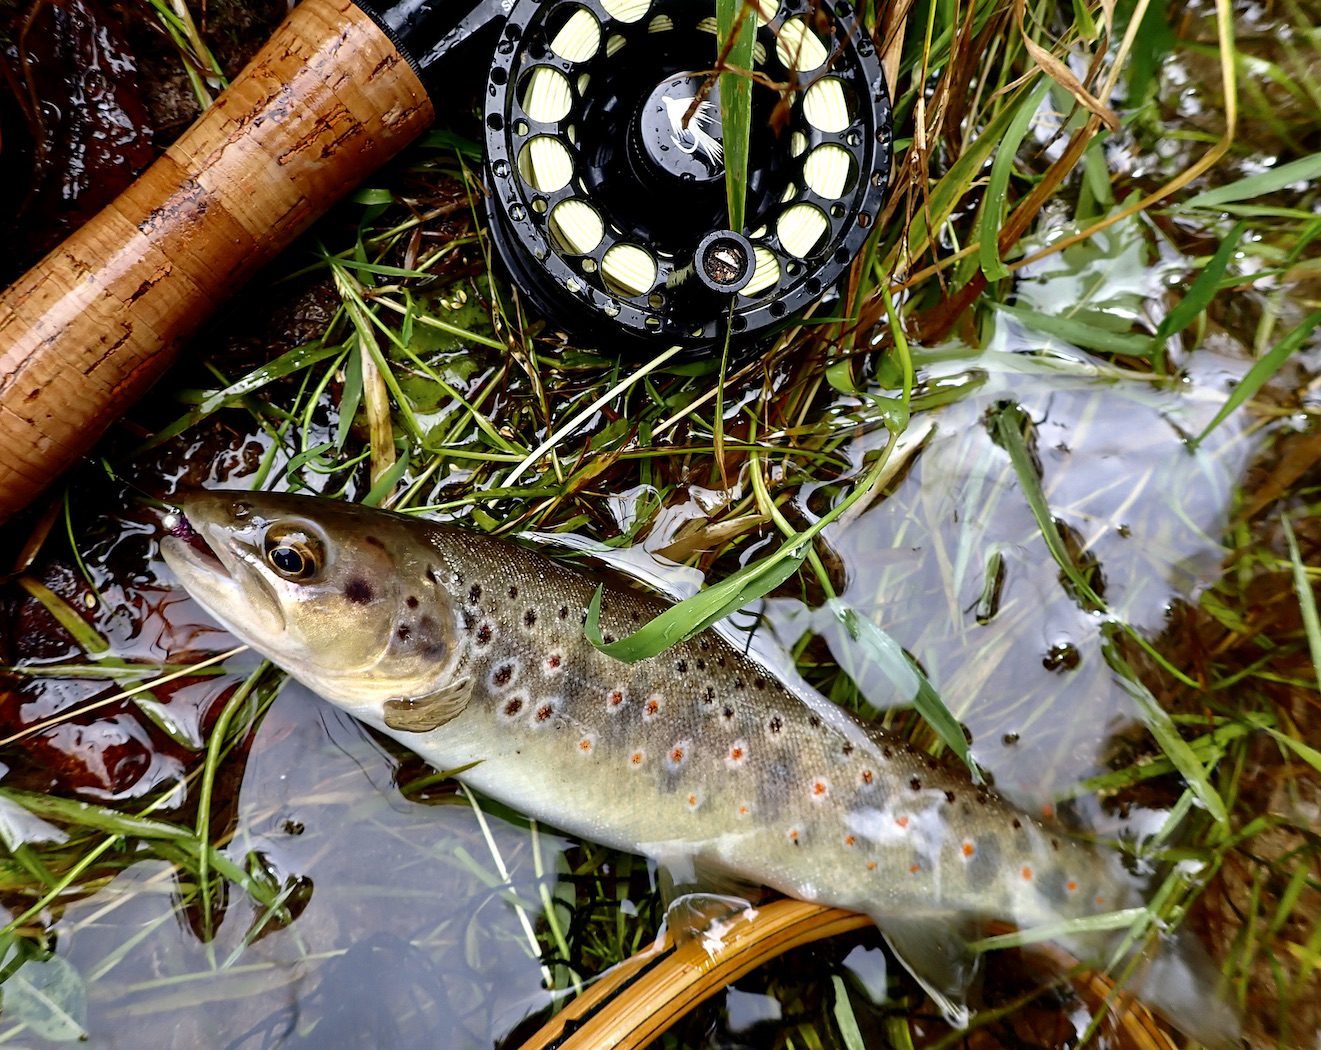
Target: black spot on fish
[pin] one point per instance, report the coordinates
(469, 620)
(814, 722)
(484, 634)
(564, 612)
(544, 712)
(358, 591)
(932, 764)
(513, 706)
(915, 784)
(502, 675)
(513, 593)
(608, 638)
(710, 695)
(475, 593)
(886, 753)
(431, 575)
(530, 617)
(847, 749)
(727, 713)
(720, 661)
(681, 666)
(703, 644)
(373, 541)
(950, 797)
(1055, 844)
(738, 683)
(403, 632)
(759, 683)
(701, 665)
(411, 602)
(1017, 824)
(776, 724)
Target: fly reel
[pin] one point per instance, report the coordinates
(605, 158)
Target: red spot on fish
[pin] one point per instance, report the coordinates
(913, 869)
(1027, 874)
(738, 754)
(744, 809)
(544, 712)
(1048, 811)
(793, 836)
(901, 821)
(969, 849)
(820, 789)
(652, 707)
(1100, 902)
(636, 758)
(694, 800)
(554, 660)
(614, 699)
(866, 776)
(871, 865)
(849, 840)
(586, 744)
(1071, 886)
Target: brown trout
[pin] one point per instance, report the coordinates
(471, 651)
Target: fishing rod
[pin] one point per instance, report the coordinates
(604, 164)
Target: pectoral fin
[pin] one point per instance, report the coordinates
(421, 714)
(935, 951)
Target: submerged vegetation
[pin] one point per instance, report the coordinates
(1045, 469)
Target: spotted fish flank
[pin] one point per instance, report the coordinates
(471, 651)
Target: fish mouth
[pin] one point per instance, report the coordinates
(188, 545)
(222, 571)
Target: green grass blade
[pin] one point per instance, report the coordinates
(1306, 169)
(1203, 289)
(735, 19)
(291, 361)
(1009, 422)
(1080, 333)
(1265, 367)
(697, 613)
(997, 188)
(1306, 600)
(876, 649)
(1166, 734)
(81, 631)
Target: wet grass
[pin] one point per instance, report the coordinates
(1082, 228)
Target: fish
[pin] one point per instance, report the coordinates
(471, 651)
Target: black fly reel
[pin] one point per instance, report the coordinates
(605, 159)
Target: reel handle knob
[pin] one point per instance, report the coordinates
(329, 99)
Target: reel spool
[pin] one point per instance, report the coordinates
(605, 162)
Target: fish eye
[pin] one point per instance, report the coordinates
(292, 552)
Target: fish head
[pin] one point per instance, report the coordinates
(343, 597)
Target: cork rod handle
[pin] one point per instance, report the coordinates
(86, 332)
